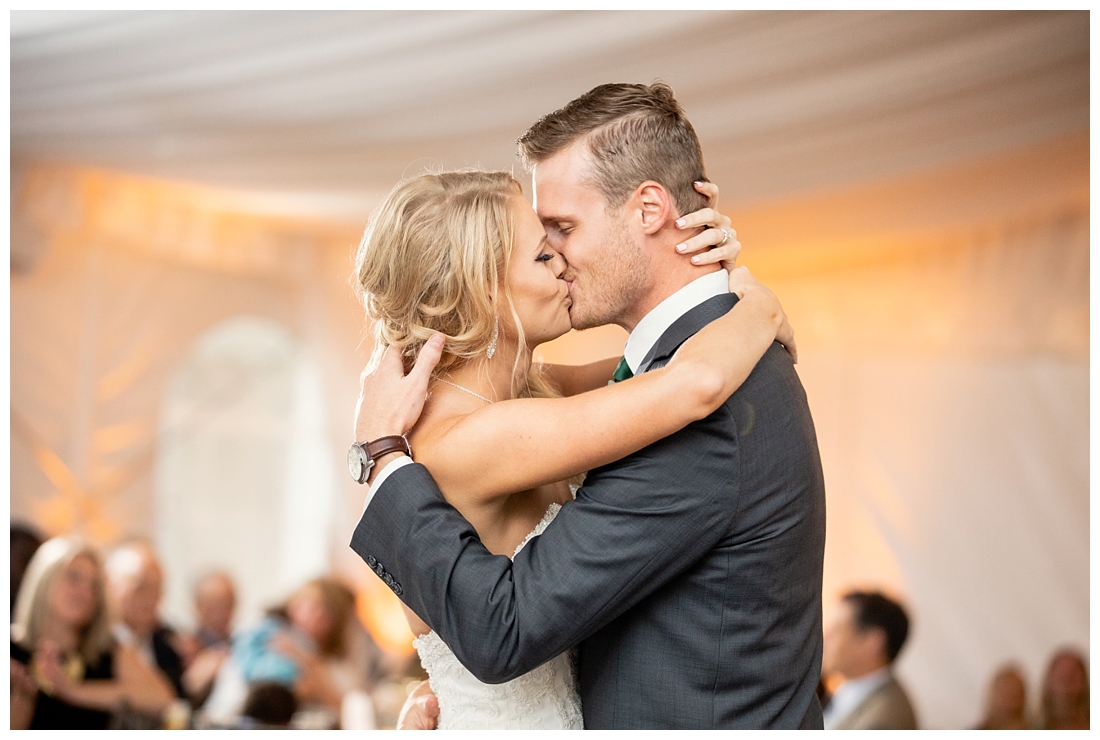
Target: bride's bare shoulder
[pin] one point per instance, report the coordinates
(438, 441)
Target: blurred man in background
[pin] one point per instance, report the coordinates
(860, 647)
(215, 603)
(134, 585)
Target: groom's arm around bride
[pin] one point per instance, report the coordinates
(688, 573)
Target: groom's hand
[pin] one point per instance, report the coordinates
(421, 710)
(390, 402)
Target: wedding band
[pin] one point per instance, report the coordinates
(727, 237)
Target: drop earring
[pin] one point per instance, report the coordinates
(492, 348)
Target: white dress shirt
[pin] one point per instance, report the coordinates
(144, 648)
(664, 314)
(638, 344)
(851, 694)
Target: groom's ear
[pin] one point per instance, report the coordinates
(654, 206)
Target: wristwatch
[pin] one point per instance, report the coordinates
(362, 455)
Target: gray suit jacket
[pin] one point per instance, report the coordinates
(689, 573)
(886, 708)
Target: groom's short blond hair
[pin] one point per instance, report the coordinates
(633, 133)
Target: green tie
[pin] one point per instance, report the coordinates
(622, 371)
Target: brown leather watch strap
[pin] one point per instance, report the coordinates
(386, 445)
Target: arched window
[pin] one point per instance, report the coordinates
(244, 475)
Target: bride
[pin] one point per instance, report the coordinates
(462, 257)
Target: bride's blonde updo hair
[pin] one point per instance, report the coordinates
(433, 259)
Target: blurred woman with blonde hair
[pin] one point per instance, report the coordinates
(462, 257)
(67, 670)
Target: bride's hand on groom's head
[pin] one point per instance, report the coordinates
(390, 402)
(718, 241)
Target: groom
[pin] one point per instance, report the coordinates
(688, 573)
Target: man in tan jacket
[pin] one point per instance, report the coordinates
(859, 650)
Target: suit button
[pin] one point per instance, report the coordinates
(397, 588)
(372, 561)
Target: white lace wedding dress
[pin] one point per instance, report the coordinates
(544, 699)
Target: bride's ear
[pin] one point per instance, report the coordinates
(653, 206)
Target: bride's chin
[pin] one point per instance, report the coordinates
(547, 336)
(565, 326)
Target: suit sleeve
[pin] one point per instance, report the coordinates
(635, 526)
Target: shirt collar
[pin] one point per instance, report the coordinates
(852, 693)
(664, 314)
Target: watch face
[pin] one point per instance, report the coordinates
(355, 462)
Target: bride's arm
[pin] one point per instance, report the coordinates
(516, 445)
(571, 380)
(416, 624)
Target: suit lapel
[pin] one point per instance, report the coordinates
(684, 328)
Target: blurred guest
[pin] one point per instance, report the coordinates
(302, 645)
(135, 583)
(296, 640)
(67, 672)
(860, 647)
(24, 542)
(215, 602)
(269, 705)
(1006, 701)
(1066, 692)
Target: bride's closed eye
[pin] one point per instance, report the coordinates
(544, 257)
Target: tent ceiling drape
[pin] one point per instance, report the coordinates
(351, 101)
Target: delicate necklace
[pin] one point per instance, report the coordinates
(456, 385)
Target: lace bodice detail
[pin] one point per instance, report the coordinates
(545, 698)
(540, 527)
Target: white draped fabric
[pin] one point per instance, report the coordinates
(953, 421)
(131, 417)
(915, 188)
